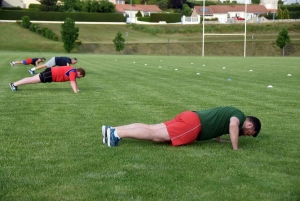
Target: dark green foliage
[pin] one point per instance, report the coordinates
(25, 22)
(168, 17)
(144, 19)
(291, 8)
(285, 14)
(270, 16)
(177, 3)
(283, 39)
(119, 42)
(186, 10)
(138, 14)
(54, 8)
(61, 16)
(103, 6)
(255, 1)
(295, 15)
(35, 7)
(49, 2)
(12, 8)
(69, 34)
(106, 7)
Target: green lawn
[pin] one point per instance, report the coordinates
(51, 145)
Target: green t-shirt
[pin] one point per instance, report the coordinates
(215, 121)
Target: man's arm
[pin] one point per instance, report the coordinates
(37, 62)
(74, 86)
(234, 132)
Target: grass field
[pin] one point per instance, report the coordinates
(51, 145)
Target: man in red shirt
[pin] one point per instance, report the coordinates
(61, 74)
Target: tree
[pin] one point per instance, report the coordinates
(177, 3)
(49, 2)
(69, 34)
(119, 42)
(279, 13)
(283, 39)
(26, 22)
(69, 5)
(285, 14)
(186, 10)
(106, 7)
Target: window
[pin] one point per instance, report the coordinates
(205, 10)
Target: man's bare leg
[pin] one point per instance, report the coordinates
(154, 132)
(28, 80)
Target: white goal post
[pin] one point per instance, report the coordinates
(207, 34)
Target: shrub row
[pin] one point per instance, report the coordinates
(61, 16)
(48, 33)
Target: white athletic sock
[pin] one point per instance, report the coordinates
(33, 69)
(13, 62)
(116, 134)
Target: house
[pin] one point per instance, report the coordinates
(226, 12)
(19, 3)
(145, 10)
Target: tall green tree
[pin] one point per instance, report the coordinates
(69, 34)
(279, 13)
(186, 10)
(106, 7)
(283, 39)
(69, 5)
(285, 14)
(119, 42)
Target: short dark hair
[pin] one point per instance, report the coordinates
(81, 71)
(43, 58)
(256, 124)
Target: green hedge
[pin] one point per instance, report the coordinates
(295, 15)
(144, 19)
(291, 8)
(61, 16)
(168, 17)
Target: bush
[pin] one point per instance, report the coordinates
(25, 22)
(138, 14)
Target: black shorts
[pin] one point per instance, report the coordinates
(46, 76)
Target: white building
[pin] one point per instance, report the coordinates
(19, 3)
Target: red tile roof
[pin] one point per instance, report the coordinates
(136, 7)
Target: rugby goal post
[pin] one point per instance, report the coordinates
(207, 34)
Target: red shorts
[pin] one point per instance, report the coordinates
(184, 128)
(27, 61)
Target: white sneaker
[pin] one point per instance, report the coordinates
(11, 63)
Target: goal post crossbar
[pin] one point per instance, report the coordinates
(224, 34)
(204, 34)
